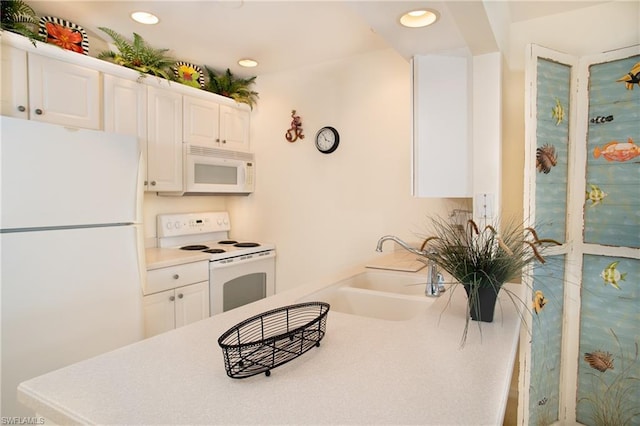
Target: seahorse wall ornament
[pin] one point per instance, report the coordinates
(295, 132)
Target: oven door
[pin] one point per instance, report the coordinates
(237, 281)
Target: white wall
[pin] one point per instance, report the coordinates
(325, 212)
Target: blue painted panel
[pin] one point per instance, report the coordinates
(546, 342)
(552, 129)
(613, 157)
(609, 332)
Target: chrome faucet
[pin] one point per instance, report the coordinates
(435, 280)
(401, 243)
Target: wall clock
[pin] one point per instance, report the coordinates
(327, 140)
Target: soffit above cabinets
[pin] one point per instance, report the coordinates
(285, 35)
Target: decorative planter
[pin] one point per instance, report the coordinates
(481, 302)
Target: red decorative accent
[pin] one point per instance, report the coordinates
(64, 37)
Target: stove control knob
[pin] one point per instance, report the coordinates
(177, 225)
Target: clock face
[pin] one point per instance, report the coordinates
(327, 140)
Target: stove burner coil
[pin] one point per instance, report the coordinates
(227, 242)
(194, 247)
(246, 245)
(214, 251)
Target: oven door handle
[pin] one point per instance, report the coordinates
(253, 257)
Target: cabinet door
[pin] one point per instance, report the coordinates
(125, 110)
(125, 107)
(63, 93)
(15, 95)
(159, 313)
(192, 303)
(201, 122)
(234, 128)
(164, 140)
(441, 132)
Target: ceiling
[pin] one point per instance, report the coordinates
(285, 35)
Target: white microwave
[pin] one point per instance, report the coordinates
(216, 171)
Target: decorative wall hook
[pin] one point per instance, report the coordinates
(295, 132)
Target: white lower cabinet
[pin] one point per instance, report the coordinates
(174, 308)
(187, 302)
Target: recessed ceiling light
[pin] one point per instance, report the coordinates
(419, 18)
(248, 63)
(145, 18)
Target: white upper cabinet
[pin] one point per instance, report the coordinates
(208, 123)
(44, 89)
(201, 122)
(125, 106)
(63, 93)
(457, 118)
(234, 128)
(164, 144)
(15, 94)
(441, 127)
(46, 83)
(125, 110)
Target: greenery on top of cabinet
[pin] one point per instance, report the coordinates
(137, 55)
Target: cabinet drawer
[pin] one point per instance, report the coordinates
(176, 276)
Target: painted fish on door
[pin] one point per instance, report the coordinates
(633, 77)
(617, 151)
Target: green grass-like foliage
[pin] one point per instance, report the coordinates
(138, 55)
(612, 392)
(226, 84)
(18, 17)
(484, 257)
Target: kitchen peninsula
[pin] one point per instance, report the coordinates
(366, 371)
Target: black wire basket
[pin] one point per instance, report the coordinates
(265, 341)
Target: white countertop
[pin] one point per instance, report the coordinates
(366, 371)
(163, 257)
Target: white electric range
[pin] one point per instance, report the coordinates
(240, 272)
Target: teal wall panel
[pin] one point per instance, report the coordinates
(610, 333)
(546, 341)
(552, 132)
(612, 204)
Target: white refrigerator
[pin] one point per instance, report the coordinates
(71, 249)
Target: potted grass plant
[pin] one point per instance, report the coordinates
(483, 259)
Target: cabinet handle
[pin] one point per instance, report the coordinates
(153, 183)
(176, 276)
(180, 296)
(21, 108)
(38, 111)
(217, 139)
(172, 298)
(224, 141)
